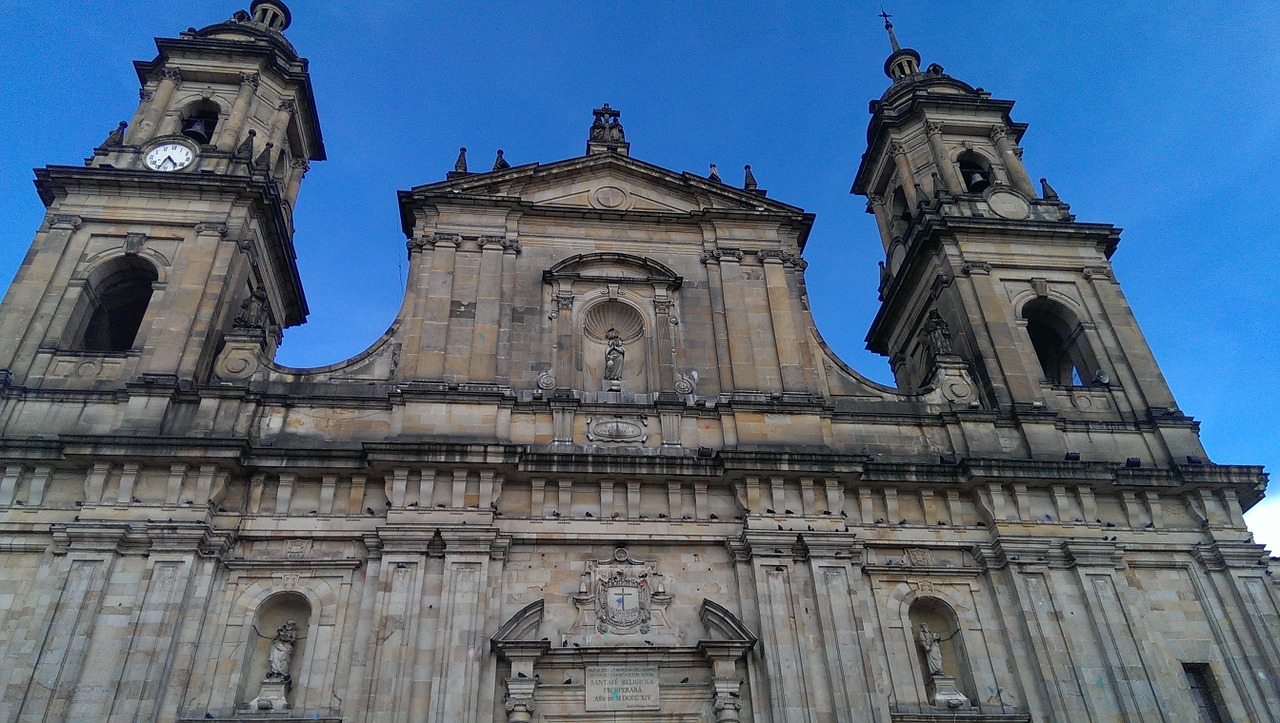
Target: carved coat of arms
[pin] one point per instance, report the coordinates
(622, 601)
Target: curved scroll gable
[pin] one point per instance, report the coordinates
(522, 626)
(723, 625)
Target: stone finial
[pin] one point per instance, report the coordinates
(115, 137)
(460, 165)
(264, 158)
(715, 174)
(749, 183)
(244, 152)
(500, 163)
(1047, 191)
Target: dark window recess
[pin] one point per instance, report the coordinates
(1059, 343)
(122, 299)
(1204, 691)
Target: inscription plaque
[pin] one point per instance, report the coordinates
(623, 687)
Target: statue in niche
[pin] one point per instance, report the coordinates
(253, 311)
(613, 355)
(932, 644)
(282, 651)
(939, 334)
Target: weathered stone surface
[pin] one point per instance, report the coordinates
(603, 434)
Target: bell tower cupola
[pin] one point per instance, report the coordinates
(974, 254)
(901, 63)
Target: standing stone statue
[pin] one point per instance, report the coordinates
(613, 356)
(939, 334)
(282, 651)
(932, 644)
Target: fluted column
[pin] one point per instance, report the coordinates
(949, 173)
(905, 176)
(876, 207)
(145, 130)
(279, 125)
(239, 111)
(1012, 163)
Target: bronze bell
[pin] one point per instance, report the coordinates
(198, 129)
(977, 181)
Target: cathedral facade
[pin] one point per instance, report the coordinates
(602, 466)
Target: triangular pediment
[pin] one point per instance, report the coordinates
(608, 182)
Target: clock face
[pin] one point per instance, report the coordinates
(169, 157)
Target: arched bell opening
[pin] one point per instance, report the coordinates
(112, 306)
(199, 120)
(975, 172)
(1060, 344)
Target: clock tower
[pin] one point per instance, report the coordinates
(175, 240)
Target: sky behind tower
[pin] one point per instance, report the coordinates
(1157, 117)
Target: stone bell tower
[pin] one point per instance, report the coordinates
(175, 238)
(980, 266)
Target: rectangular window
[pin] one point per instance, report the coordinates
(1205, 692)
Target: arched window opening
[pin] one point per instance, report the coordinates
(1059, 343)
(199, 121)
(117, 295)
(974, 171)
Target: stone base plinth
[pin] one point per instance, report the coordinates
(943, 693)
(272, 697)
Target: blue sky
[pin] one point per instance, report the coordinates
(1158, 117)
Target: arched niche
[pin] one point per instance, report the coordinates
(274, 612)
(939, 617)
(614, 348)
(601, 300)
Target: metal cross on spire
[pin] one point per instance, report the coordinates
(893, 39)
